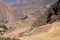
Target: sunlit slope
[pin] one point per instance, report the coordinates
(18, 27)
(10, 13)
(52, 34)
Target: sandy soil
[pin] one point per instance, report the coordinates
(52, 34)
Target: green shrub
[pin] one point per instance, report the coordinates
(4, 21)
(8, 38)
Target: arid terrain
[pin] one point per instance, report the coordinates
(52, 34)
(30, 20)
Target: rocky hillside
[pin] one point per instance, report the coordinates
(37, 25)
(9, 13)
(52, 34)
(29, 6)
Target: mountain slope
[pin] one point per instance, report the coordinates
(52, 34)
(10, 13)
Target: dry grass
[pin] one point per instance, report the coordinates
(52, 34)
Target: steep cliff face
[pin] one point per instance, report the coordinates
(46, 15)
